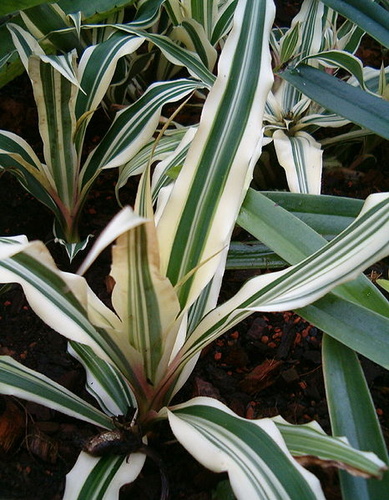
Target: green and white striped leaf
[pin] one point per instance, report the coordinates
(355, 417)
(17, 380)
(203, 12)
(301, 157)
(224, 21)
(361, 244)
(193, 36)
(95, 478)
(310, 20)
(288, 43)
(96, 69)
(25, 43)
(104, 381)
(251, 451)
(344, 312)
(173, 52)
(66, 303)
(341, 59)
(50, 24)
(134, 126)
(166, 169)
(147, 13)
(18, 157)
(310, 440)
(153, 151)
(143, 298)
(55, 97)
(219, 162)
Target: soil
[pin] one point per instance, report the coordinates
(268, 365)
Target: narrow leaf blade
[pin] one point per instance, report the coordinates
(364, 109)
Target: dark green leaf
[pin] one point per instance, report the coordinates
(367, 14)
(339, 97)
(8, 6)
(354, 418)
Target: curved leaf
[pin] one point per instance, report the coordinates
(28, 384)
(95, 478)
(310, 440)
(251, 451)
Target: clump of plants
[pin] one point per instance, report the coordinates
(171, 249)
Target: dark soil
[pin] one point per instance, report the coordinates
(268, 365)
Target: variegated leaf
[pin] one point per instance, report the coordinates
(30, 385)
(100, 478)
(153, 151)
(311, 441)
(55, 97)
(144, 299)
(193, 36)
(219, 161)
(301, 157)
(361, 244)
(251, 451)
(134, 126)
(104, 382)
(65, 302)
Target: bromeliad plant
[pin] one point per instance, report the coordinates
(67, 94)
(317, 38)
(68, 90)
(167, 269)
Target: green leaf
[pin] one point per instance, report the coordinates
(134, 126)
(369, 15)
(327, 215)
(384, 284)
(27, 384)
(96, 10)
(251, 451)
(301, 157)
(353, 415)
(352, 323)
(207, 194)
(106, 384)
(94, 478)
(338, 261)
(310, 440)
(346, 100)
(252, 255)
(344, 312)
(9, 6)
